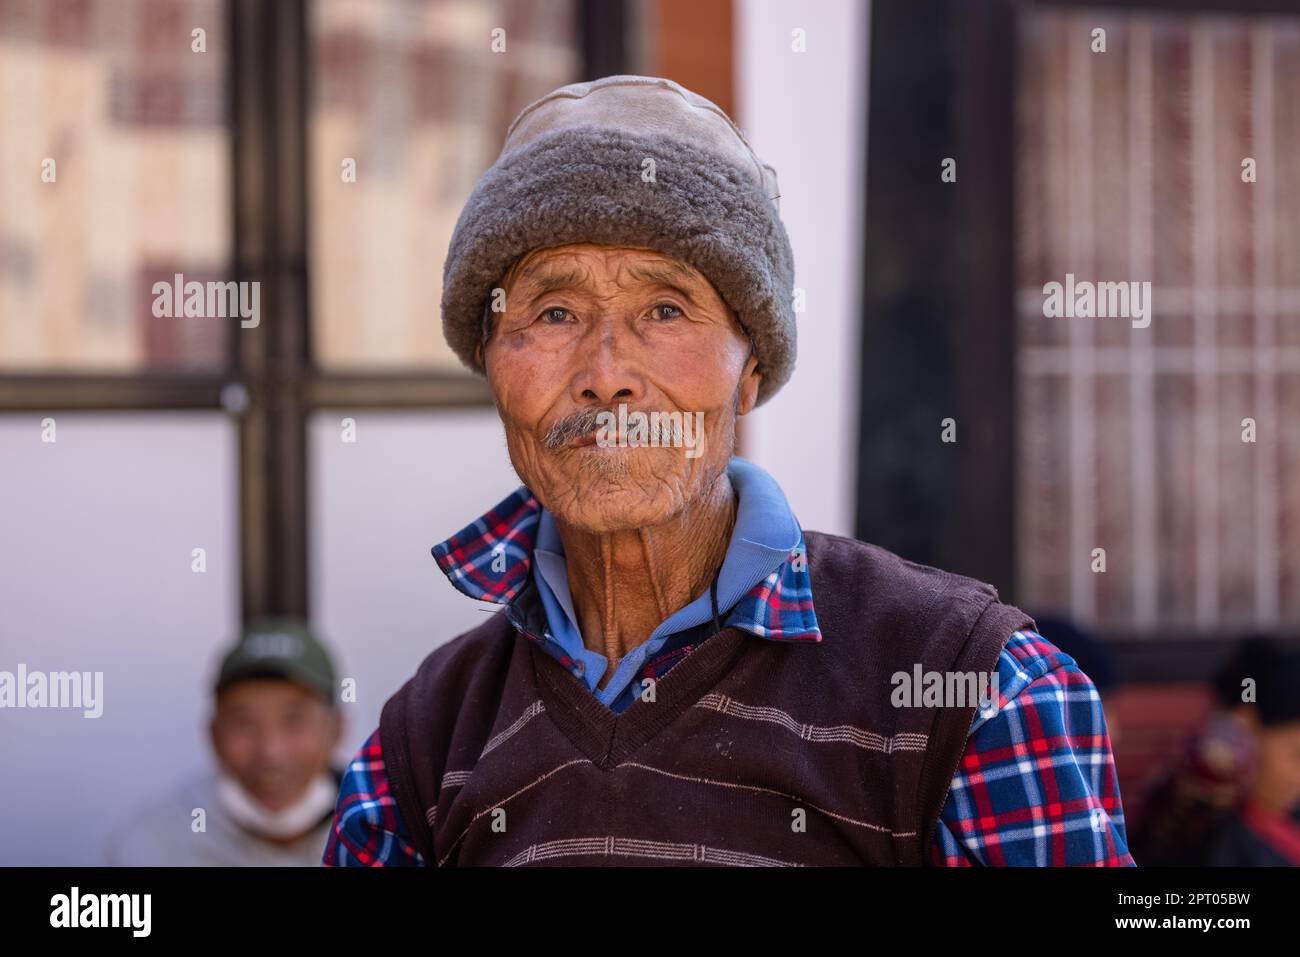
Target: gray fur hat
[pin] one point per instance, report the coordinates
(571, 171)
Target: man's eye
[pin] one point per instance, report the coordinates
(672, 311)
(554, 316)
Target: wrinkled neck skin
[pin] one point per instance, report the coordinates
(625, 583)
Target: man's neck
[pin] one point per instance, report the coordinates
(625, 583)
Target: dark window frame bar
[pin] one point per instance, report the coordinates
(933, 96)
(61, 392)
(1248, 8)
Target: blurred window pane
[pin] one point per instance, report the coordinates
(412, 92)
(1134, 438)
(114, 155)
(97, 573)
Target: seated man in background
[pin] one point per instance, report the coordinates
(1192, 796)
(1263, 828)
(269, 800)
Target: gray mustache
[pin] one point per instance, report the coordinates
(586, 421)
(572, 427)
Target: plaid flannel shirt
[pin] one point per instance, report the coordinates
(1036, 785)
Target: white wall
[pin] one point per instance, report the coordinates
(376, 508)
(805, 113)
(96, 531)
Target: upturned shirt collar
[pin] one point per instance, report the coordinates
(764, 578)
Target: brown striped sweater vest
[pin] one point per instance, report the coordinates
(752, 752)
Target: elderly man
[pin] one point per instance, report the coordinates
(680, 674)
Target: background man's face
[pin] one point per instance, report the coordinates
(273, 737)
(1277, 769)
(588, 327)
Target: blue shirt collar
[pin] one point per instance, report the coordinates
(764, 578)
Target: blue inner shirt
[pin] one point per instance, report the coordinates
(764, 535)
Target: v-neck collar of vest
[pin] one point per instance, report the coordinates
(608, 737)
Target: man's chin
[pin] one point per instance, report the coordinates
(639, 462)
(275, 800)
(606, 502)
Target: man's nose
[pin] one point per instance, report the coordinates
(272, 746)
(607, 371)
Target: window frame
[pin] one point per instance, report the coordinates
(954, 506)
(269, 97)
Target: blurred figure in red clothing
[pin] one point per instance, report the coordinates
(1264, 827)
(1234, 797)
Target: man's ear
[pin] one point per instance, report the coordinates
(750, 380)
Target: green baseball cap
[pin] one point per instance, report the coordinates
(279, 648)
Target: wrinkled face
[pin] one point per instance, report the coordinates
(273, 737)
(587, 329)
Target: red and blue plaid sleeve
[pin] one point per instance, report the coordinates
(1036, 786)
(368, 830)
